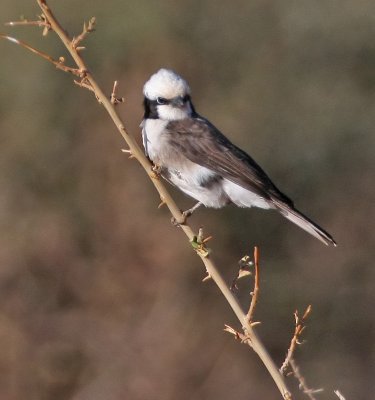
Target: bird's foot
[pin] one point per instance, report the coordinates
(180, 221)
(156, 171)
(185, 215)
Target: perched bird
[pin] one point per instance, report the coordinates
(195, 156)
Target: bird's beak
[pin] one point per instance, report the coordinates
(178, 101)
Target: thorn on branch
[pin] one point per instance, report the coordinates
(45, 23)
(114, 99)
(306, 313)
(161, 204)
(239, 335)
(128, 151)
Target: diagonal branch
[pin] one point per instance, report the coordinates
(166, 198)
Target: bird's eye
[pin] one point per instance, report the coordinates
(161, 100)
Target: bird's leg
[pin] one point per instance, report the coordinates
(189, 212)
(186, 214)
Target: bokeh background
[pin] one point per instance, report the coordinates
(100, 296)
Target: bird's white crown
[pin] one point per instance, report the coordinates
(165, 83)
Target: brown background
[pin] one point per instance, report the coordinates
(100, 297)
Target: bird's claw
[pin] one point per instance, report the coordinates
(156, 169)
(180, 221)
(184, 216)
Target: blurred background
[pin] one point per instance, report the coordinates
(100, 296)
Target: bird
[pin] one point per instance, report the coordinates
(193, 155)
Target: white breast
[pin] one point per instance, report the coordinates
(152, 135)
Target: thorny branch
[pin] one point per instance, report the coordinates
(86, 30)
(245, 263)
(88, 82)
(48, 21)
(289, 362)
(298, 329)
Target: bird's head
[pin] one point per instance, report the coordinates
(167, 96)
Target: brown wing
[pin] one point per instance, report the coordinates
(199, 141)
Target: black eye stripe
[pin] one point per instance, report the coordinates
(162, 101)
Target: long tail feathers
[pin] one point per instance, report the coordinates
(305, 223)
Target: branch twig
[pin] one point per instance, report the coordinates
(289, 361)
(114, 98)
(299, 328)
(137, 153)
(41, 22)
(59, 64)
(302, 382)
(338, 394)
(90, 27)
(255, 292)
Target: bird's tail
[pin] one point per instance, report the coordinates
(305, 223)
